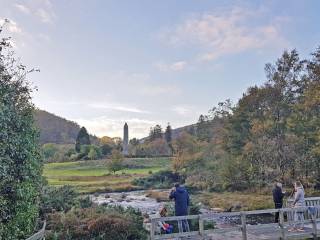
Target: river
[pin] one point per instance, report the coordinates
(136, 199)
(140, 200)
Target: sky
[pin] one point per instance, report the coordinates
(106, 62)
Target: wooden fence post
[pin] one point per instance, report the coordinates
(281, 224)
(314, 226)
(201, 226)
(244, 226)
(152, 230)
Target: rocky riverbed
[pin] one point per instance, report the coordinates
(136, 199)
(150, 202)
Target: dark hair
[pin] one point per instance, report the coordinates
(177, 184)
(298, 184)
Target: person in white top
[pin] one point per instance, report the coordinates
(298, 203)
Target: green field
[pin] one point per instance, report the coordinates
(92, 176)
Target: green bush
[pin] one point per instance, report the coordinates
(20, 161)
(162, 179)
(59, 199)
(108, 223)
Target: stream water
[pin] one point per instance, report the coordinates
(135, 199)
(140, 200)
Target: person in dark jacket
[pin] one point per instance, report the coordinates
(278, 195)
(182, 202)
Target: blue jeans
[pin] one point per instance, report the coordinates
(183, 226)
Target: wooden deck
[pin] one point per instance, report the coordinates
(265, 233)
(205, 226)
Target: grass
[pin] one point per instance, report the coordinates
(92, 176)
(241, 200)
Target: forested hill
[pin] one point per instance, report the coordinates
(55, 129)
(177, 131)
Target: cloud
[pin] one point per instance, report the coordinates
(22, 8)
(116, 107)
(176, 66)
(45, 15)
(41, 9)
(181, 110)
(227, 32)
(141, 84)
(103, 126)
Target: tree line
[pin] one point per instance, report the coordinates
(272, 132)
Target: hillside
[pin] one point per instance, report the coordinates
(55, 129)
(177, 131)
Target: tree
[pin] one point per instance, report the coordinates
(168, 134)
(203, 128)
(106, 149)
(48, 150)
(116, 162)
(82, 139)
(155, 133)
(20, 161)
(92, 154)
(134, 142)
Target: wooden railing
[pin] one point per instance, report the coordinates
(40, 235)
(200, 229)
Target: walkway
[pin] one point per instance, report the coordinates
(239, 224)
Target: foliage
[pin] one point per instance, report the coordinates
(57, 152)
(58, 199)
(168, 134)
(20, 161)
(106, 149)
(161, 179)
(82, 139)
(272, 132)
(134, 142)
(116, 162)
(155, 133)
(109, 223)
(157, 147)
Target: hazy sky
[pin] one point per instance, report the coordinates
(147, 62)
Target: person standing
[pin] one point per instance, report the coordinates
(182, 201)
(278, 195)
(298, 202)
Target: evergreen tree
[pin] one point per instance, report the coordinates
(168, 134)
(155, 133)
(20, 161)
(83, 138)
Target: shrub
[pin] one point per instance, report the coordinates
(85, 202)
(20, 161)
(59, 199)
(162, 179)
(108, 223)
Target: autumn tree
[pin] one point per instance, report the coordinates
(116, 162)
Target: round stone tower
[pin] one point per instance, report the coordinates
(125, 139)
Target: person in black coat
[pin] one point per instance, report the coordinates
(278, 195)
(182, 201)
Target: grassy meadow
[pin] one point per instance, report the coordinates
(92, 176)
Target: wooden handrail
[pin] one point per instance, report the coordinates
(40, 234)
(243, 217)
